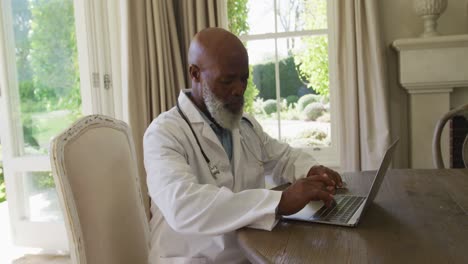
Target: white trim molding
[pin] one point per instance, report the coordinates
(437, 62)
(453, 41)
(430, 69)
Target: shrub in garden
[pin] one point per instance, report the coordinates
(313, 111)
(283, 104)
(2, 185)
(316, 134)
(289, 112)
(325, 100)
(258, 106)
(307, 99)
(292, 99)
(325, 118)
(269, 106)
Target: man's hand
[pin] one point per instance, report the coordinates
(311, 188)
(322, 170)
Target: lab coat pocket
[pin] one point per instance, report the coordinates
(182, 260)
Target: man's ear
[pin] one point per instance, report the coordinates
(194, 72)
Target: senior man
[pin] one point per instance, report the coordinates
(206, 163)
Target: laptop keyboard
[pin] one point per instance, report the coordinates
(341, 211)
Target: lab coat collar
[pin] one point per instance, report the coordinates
(189, 108)
(200, 125)
(196, 119)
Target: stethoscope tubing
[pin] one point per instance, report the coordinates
(213, 169)
(193, 132)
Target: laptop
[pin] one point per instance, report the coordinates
(347, 209)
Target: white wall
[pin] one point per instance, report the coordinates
(398, 20)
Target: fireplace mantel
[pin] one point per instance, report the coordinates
(429, 70)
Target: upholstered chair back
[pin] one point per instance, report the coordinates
(95, 172)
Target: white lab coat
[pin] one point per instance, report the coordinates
(194, 214)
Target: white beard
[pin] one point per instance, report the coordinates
(219, 112)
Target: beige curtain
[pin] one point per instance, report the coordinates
(195, 16)
(362, 92)
(156, 35)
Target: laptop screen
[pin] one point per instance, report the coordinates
(387, 159)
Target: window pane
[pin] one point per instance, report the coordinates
(304, 85)
(261, 91)
(47, 71)
(40, 201)
(261, 18)
(300, 15)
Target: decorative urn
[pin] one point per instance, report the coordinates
(430, 11)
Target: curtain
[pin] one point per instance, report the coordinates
(155, 39)
(363, 96)
(197, 15)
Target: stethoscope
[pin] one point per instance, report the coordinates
(213, 168)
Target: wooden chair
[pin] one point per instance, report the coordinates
(95, 172)
(436, 149)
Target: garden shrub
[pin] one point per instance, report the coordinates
(315, 133)
(307, 99)
(250, 94)
(291, 99)
(313, 111)
(258, 106)
(2, 184)
(269, 106)
(325, 100)
(325, 118)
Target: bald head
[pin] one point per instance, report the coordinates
(213, 44)
(219, 70)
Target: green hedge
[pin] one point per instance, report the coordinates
(264, 79)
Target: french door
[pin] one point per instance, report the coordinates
(54, 68)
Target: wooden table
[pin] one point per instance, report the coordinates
(419, 216)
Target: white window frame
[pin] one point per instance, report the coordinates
(94, 39)
(98, 37)
(50, 235)
(328, 156)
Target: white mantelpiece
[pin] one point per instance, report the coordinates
(429, 69)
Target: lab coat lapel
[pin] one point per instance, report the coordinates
(201, 127)
(210, 136)
(236, 150)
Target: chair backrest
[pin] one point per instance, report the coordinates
(436, 148)
(95, 172)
